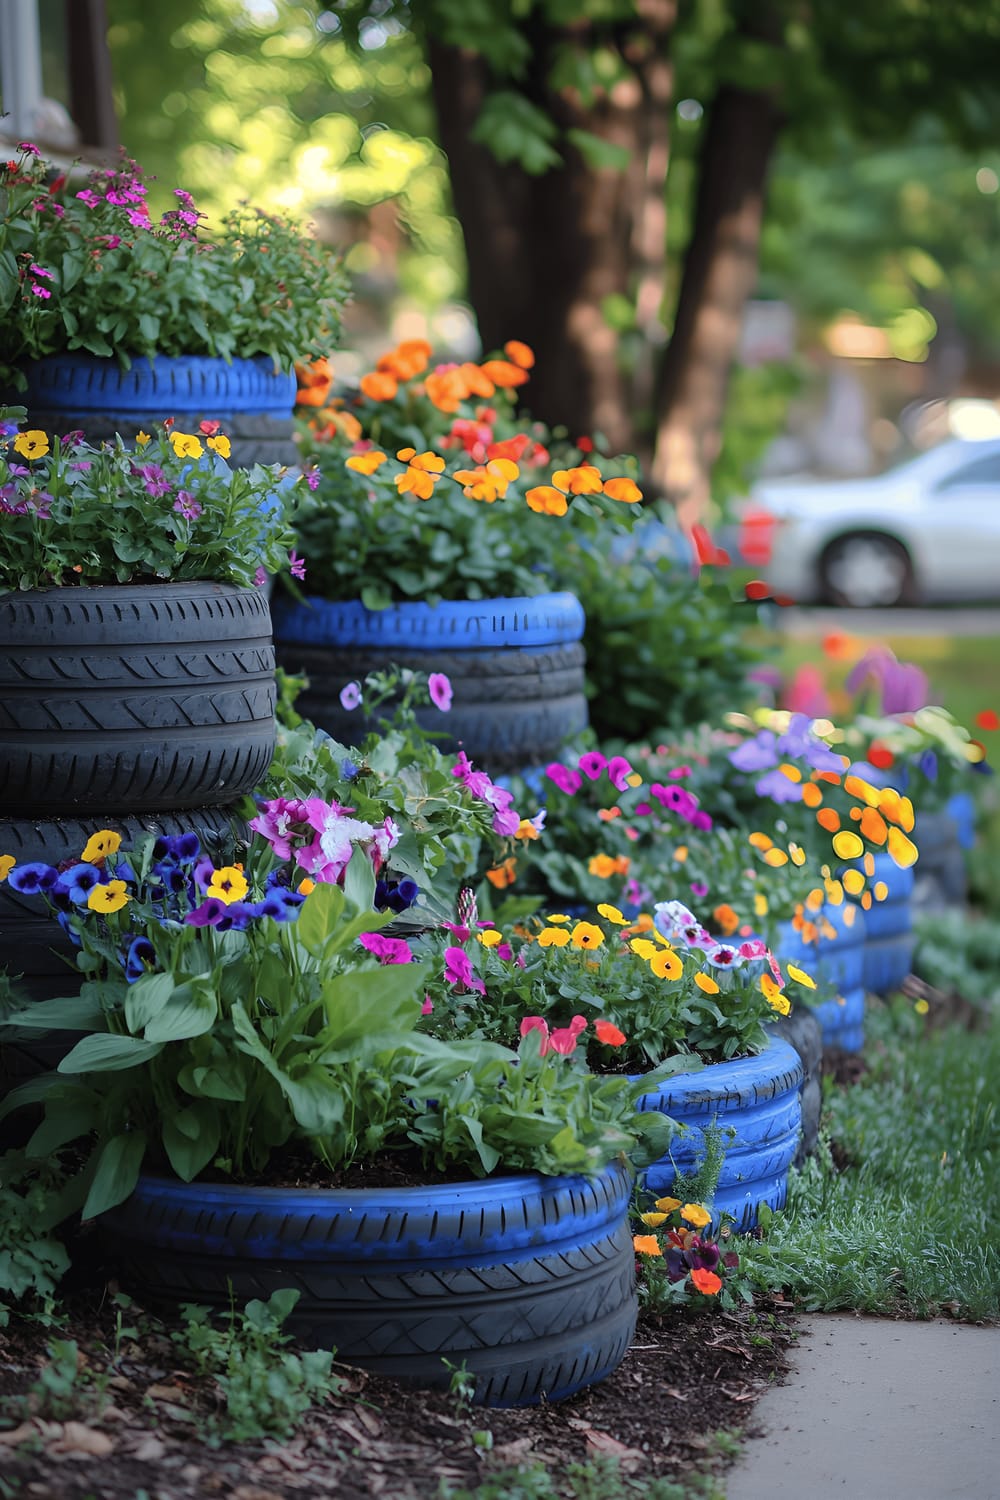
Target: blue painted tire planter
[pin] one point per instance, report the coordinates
(758, 1097)
(516, 668)
(253, 401)
(889, 939)
(529, 1280)
(133, 698)
(838, 961)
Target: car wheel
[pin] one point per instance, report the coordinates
(866, 570)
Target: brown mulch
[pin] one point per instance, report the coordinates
(142, 1422)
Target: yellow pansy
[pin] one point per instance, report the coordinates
(228, 884)
(586, 935)
(108, 898)
(33, 444)
(666, 965)
(100, 845)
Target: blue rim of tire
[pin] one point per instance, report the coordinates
(452, 625)
(178, 383)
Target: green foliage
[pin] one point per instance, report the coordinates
(960, 954)
(905, 1223)
(665, 649)
(117, 514)
(102, 277)
(32, 1260)
(267, 1388)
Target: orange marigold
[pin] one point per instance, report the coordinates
(378, 385)
(519, 354)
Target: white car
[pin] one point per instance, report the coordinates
(927, 530)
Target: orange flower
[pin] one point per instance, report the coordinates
(648, 1244)
(625, 490)
(608, 1034)
(726, 918)
(503, 374)
(706, 1281)
(546, 500)
(379, 386)
(503, 874)
(584, 480)
(314, 383)
(519, 354)
(365, 463)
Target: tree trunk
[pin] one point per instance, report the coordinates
(545, 252)
(720, 273)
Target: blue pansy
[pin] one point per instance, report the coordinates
(140, 958)
(33, 879)
(78, 882)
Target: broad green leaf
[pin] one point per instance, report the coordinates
(145, 1000)
(370, 1001)
(73, 1013)
(116, 1172)
(109, 1054)
(191, 1138)
(192, 1010)
(319, 917)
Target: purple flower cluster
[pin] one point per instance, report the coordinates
(320, 837)
(506, 820)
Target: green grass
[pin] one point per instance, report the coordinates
(911, 1226)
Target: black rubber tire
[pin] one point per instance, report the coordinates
(81, 391)
(511, 708)
(132, 698)
(527, 1280)
(33, 945)
(834, 593)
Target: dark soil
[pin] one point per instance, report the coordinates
(142, 1422)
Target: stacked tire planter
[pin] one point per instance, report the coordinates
(253, 402)
(889, 937)
(528, 1281)
(142, 708)
(755, 1102)
(837, 961)
(516, 668)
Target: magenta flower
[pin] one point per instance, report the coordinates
(187, 506)
(565, 779)
(279, 821)
(458, 970)
(387, 950)
(592, 764)
(618, 772)
(350, 696)
(439, 687)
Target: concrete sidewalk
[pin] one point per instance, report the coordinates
(876, 1410)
